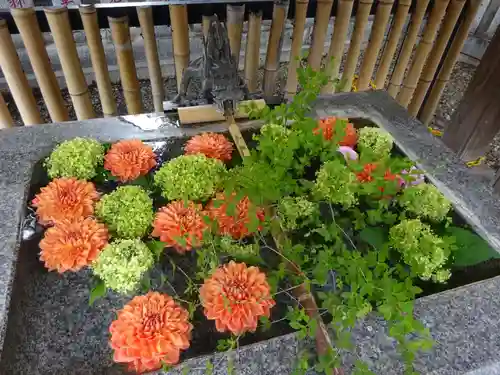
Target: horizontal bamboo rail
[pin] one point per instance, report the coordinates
(6, 120)
(252, 55)
(180, 39)
(323, 11)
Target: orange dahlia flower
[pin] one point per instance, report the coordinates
(179, 220)
(212, 145)
(65, 199)
(129, 159)
(150, 330)
(72, 245)
(235, 225)
(327, 127)
(235, 297)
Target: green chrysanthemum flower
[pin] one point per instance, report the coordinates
(293, 211)
(335, 183)
(231, 247)
(425, 201)
(122, 264)
(190, 177)
(421, 249)
(77, 158)
(375, 142)
(128, 211)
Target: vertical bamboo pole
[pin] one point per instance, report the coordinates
(423, 50)
(88, 14)
(180, 39)
(392, 43)
(235, 18)
(323, 11)
(336, 50)
(411, 38)
(5, 117)
(295, 50)
(148, 33)
(29, 29)
(120, 34)
(205, 22)
(70, 62)
(356, 40)
(449, 62)
(14, 75)
(252, 52)
(377, 36)
(271, 66)
(437, 53)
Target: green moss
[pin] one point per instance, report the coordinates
(128, 211)
(425, 201)
(374, 142)
(77, 158)
(335, 183)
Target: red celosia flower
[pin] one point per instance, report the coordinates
(179, 220)
(235, 225)
(150, 330)
(212, 145)
(129, 159)
(65, 199)
(72, 245)
(327, 127)
(235, 297)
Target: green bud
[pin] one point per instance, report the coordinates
(335, 183)
(425, 201)
(292, 211)
(375, 142)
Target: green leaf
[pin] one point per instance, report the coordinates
(373, 236)
(470, 248)
(156, 247)
(97, 292)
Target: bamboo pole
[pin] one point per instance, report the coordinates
(70, 62)
(205, 21)
(148, 33)
(29, 29)
(411, 38)
(323, 11)
(180, 39)
(376, 38)
(392, 43)
(14, 75)
(252, 52)
(88, 13)
(5, 117)
(272, 64)
(296, 48)
(449, 62)
(356, 40)
(336, 50)
(432, 63)
(235, 18)
(423, 50)
(120, 34)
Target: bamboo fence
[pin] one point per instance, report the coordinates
(6, 120)
(323, 11)
(180, 39)
(235, 17)
(252, 54)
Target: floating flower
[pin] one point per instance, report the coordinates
(414, 177)
(72, 245)
(65, 199)
(348, 153)
(327, 127)
(236, 296)
(129, 159)
(389, 179)
(375, 142)
(235, 225)
(177, 221)
(212, 145)
(150, 330)
(366, 174)
(335, 183)
(425, 201)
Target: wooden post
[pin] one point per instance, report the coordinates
(148, 33)
(29, 29)
(355, 47)
(384, 8)
(272, 64)
(323, 11)
(406, 51)
(235, 17)
(477, 119)
(336, 50)
(5, 117)
(205, 21)
(180, 39)
(70, 62)
(423, 50)
(252, 52)
(88, 13)
(296, 48)
(125, 56)
(392, 43)
(438, 49)
(452, 55)
(14, 75)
